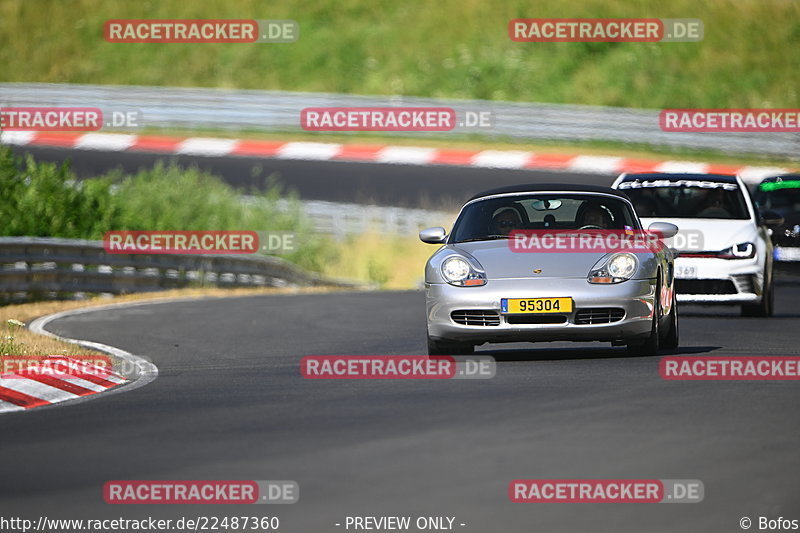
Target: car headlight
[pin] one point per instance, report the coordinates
(614, 268)
(744, 250)
(456, 270)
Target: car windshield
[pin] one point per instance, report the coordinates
(496, 218)
(783, 199)
(686, 199)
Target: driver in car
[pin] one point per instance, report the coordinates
(505, 221)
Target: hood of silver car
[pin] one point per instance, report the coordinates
(501, 263)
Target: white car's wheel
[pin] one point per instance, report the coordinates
(766, 306)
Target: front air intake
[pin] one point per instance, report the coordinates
(476, 317)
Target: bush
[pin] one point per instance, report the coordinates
(40, 199)
(44, 200)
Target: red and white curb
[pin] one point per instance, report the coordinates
(20, 393)
(405, 155)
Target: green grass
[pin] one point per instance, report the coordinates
(448, 48)
(9, 345)
(390, 262)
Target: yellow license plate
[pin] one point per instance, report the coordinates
(536, 305)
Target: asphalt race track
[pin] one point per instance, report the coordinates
(438, 186)
(230, 403)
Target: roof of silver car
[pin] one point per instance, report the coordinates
(549, 187)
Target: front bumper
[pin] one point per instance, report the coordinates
(714, 280)
(634, 297)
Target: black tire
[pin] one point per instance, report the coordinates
(449, 348)
(650, 346)
(766, 306)
(671, 340)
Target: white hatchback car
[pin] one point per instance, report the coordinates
(725, 251)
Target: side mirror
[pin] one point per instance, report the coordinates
(771, 219)
(435, 235)
(665, 230)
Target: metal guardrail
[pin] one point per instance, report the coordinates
(341, 220)
(45, 268)
(276, 111)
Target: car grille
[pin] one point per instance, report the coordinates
(536, 319)
(599, 315)
(476, 317)
(705, 286)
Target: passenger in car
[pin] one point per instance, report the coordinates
(595, 216)
(715, 205)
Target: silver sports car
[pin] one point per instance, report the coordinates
(537, 263)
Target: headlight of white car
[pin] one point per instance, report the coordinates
(743, 250)
(614, 268)
(456, 270)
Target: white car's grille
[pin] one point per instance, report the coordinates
(744, 283)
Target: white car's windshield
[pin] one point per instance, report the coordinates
(688, 199)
